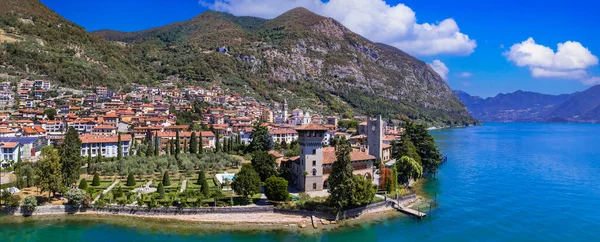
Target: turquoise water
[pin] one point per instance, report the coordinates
(502, 182)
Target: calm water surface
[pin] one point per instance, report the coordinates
(502, 182)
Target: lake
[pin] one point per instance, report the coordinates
(502, 182)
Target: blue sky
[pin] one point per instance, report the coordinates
(482, 63)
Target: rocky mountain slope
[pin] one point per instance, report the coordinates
(523, 106)
(311, 60)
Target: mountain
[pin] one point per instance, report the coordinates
(37, 42)
(310, 60)
(521, 106)
(580, 107)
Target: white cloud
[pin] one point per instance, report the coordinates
(591, 81)
(440, 68)
(570, 61)
(374, 19)
(464, 75)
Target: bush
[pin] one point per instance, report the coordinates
(130, 180)
(276, 189)
(96, 180)
(29, 203)
(166, 181)
(161, 190)
(83, 184)
(201, 178)
(13, 201)
(76, 197)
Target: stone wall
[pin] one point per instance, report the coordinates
(133, 210)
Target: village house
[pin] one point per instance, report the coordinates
(106, 145)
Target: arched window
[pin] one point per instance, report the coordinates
(314, 172)
(325, 185)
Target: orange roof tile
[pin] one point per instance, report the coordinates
(312, 127)
(356, 155)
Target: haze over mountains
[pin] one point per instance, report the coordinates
(521, 106)
(313, 61)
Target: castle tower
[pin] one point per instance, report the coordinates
(310, 175)
(375, 137)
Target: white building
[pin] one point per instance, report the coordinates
(107, 145)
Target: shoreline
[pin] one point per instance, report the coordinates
(216, 222)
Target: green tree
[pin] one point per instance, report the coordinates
(96, 180)
(50, 113)
(83, 184)
(166, 181)
(48, 170)
(392, 181)
(201, 178)
(29, 203)
(172, 147)
(217, 142)
(258, 138)
(89, 159)
(161, 190)
(340, 179)
(156, 145)
(205, 188)
(19, 154)
(119, 148)
(247, 182)
(185, 146)
(76, 197)
(431, 158)
(193, 143)
(276, 189)
(133, 145)
(200, 144)
(407, 168)
(70, 157)
(362, 192)
(130, 180)
(99, 157)
(405, 147)
(177, 144)
(264, 164)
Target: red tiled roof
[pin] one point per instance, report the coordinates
(91, 138)
(356, 155)
(283, 131)
(9, 145)
(312, 127)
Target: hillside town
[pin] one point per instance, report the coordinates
(36, 114)
(193, 147)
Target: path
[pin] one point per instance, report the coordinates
(7, 177)
(183, 185)
(106, 190)
(147, 186)
(407, 210)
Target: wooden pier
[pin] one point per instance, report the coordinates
(411, 212)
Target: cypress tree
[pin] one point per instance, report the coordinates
(150, 148)
(161, 190)
(172, 147)
(231, 145)
(89, 159)
(201, 177)
(19, 154)
(168, 148)
(99, 156)
(156, 145)
(119, 148)
(132, 144)
(130, 180)
(83, 184)
(200, 144)
(177, 144)
(185, 146)
(193, 143)
(340, 178)
(96, 180)
(217, 143)
(70, 157)
(205, 189)
(166, 181)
